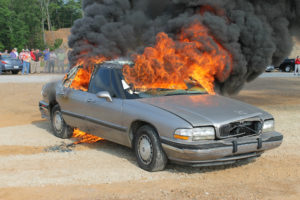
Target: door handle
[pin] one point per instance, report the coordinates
(61, 93)
(90, 101)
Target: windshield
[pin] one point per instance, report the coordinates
(192, 88)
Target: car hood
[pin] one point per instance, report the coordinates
(202, 110)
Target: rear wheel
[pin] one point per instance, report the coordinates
(288, 68)
(148, 150)
(58, 124)
(14, 72)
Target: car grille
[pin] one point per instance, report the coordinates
(240, 129)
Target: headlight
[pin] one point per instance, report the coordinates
(268, 126)
(195, 134)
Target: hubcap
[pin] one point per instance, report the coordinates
(145, 149)
(58, 121)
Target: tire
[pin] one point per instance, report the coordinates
(288, 68)
(148, 150)
(58, 124)
(14, 72)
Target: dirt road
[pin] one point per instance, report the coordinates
(36, 165)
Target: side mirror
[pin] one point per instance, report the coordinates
(105, 95)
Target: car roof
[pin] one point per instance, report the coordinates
(116, 64)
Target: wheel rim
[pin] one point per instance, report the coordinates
(57, 121)
(287, 69)
(145, 149)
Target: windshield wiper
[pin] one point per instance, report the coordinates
(186, 93)
(172, 94)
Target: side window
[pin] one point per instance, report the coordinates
(69, 77)
(101, 81)
(115, 84)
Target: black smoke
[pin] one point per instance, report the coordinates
(256, 32)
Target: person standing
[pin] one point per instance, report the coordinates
(37, 62)
(1, 67)
(26, 61)
(21, 55)
(16, 52)
(32, 62)
(61, 61)
(5, 52)
(47, 60)
(297, 66)
(52, 60)
(13, 54)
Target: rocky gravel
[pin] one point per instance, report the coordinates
(36, 165)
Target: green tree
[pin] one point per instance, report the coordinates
(20, 22)
(64, 12)
(23, 22)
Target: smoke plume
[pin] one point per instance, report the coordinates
(256, 33)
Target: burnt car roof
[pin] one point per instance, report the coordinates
(117, 64)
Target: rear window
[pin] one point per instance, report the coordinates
(5, 56)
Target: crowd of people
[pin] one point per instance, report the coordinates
(32, 60)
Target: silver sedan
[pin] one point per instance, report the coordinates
(187, 127)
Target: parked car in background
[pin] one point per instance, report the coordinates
(288, 65)
(270, 68)
(187, 126)
(10, 64)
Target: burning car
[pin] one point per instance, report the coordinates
(185, 126)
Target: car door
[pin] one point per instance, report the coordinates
(105, 118)
(72, 102)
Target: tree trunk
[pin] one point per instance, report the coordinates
(43, 20)
(47, 14)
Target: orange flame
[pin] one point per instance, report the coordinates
(83, 76)
(196, 55)
(82, 79)
(85, 137)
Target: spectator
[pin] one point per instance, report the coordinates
(32, 59)
(16, 52)
(13, 54)
(5, 52)
(47, 59)
(1, 67)
(21, 54)
(52, 60)
(26, 61)
(37, 62)
(61, 61)
(297, 66)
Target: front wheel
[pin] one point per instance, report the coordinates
(148, 150)
(58, 124)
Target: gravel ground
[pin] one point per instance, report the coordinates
(37, 134)
(33, 162)
(278, 75)
(40, 78)
(43, 78)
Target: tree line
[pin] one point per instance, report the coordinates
(23, 22)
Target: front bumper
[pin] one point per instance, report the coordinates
(44, 109)
(220, 152)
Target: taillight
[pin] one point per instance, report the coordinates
(3, 62)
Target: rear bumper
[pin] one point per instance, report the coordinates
(12, 67)
(221, 152)
(44, 109)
